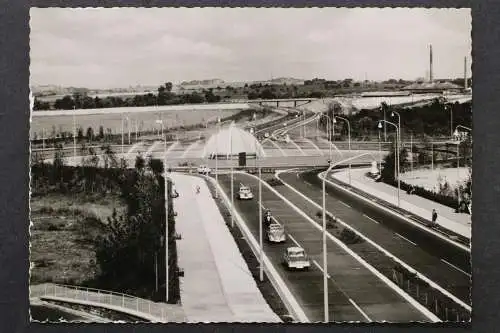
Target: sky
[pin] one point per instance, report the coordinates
(120, 47)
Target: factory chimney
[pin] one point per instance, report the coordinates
(430, 63)
(465, 73)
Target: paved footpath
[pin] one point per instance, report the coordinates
(447, 218)
(217, 285)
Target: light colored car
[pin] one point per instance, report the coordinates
(296, 258)
(266, 134)
(204, 170)
(276, 233)
(245, 193)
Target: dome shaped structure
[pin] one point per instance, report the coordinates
(231, 141)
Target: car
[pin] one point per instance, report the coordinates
(295, 257)
(204, 170)
(245, 193)
(276, 233)
(266, 134)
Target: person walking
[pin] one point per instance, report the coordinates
(434, 216)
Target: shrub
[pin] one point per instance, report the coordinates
(350, 237)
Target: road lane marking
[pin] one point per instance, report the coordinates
(321, 268)
(406, 239)
(293, 240)
(370, 218)
(360, 311)
(344, 204)
(458, 269)
(343, 292)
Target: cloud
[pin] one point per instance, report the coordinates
(122, 46)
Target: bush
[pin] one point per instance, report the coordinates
(274, 182)
(350, 237)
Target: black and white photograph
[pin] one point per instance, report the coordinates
(250, 165)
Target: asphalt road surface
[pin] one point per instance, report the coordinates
(355, 294)
(441, 262)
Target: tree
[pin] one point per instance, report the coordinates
(139, 163)
(101, 132)
(79, 135)
(90, 134)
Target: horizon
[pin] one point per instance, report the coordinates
(102, 48)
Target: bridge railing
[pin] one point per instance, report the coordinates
(128, 304)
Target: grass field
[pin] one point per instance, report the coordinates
(44, 122)
(62, 236)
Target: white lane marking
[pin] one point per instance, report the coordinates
(350, 299)
(370, 218)
(320, 268)
(293, 240)
(458, 269)
(344, 204)
(406, 239)
(360, 311)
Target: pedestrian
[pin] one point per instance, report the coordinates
(434, 216)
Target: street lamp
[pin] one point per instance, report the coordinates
(448, 107)
(122, 134)
(232, 174)
(457, 134)
(261, 250)
(329, 129)
(397, 155)
(325, 266)
(349, 138)
(382, 108)
(217, 157)
(166, 217)
(74, 134)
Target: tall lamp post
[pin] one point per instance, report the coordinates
(397, 155)
(167, 195)
(393, 114)
(122, 134)
(449, 108)
(349, 138)
(217, 157)
(261, 250)
(74, 134)
(325, 265)
(457, 134)
(329, 129)
(232, 174)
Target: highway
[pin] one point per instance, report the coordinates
(355, 293)
(444, 263)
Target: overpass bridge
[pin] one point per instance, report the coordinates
(140, 308)
(296, 101)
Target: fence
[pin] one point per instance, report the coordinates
(128, 304)
(437, 303)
